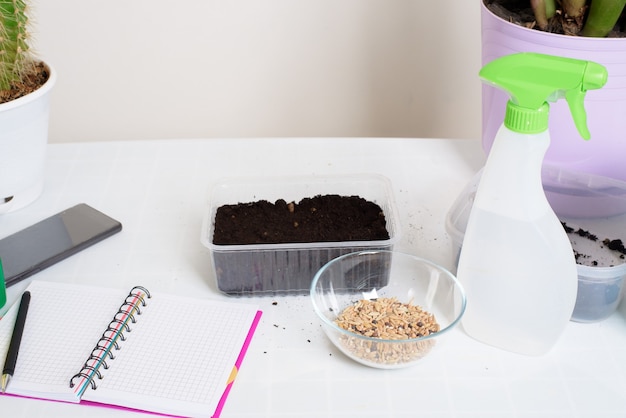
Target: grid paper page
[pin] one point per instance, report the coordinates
(178, 356)
(62, 326)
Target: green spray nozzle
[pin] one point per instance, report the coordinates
(533, 79)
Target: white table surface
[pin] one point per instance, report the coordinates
(158, 190)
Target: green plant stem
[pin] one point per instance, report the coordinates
(550, 8)
(603, 15)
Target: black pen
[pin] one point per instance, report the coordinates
(16, 339)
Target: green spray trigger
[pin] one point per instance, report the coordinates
(532, 79)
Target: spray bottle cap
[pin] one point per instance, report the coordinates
(533, 79)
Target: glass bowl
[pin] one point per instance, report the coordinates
(386, 309)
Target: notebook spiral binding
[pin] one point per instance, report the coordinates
(108, 342)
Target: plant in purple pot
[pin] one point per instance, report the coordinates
(593, 30)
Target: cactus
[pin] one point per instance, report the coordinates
(14, 35)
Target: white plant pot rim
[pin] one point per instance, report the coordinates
(50, 82)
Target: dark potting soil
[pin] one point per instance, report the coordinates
(616, 245)
(322, 218)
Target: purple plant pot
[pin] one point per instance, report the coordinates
(605, 153)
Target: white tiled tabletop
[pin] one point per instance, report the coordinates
(158, 190)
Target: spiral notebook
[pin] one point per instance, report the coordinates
(129, 348)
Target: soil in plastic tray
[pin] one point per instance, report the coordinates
(322, 218)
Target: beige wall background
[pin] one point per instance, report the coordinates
(144, 69)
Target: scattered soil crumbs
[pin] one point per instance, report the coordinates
(387, 319)
(605, 253)
(323, 218)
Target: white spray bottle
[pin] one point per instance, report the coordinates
(516, 263)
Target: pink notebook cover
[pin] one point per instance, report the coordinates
(242, 354)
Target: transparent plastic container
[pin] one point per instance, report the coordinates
(583, 195)
(600, 288)
(271, 269)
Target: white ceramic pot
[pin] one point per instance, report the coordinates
(23, 142)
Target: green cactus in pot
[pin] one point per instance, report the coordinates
(20, 72)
